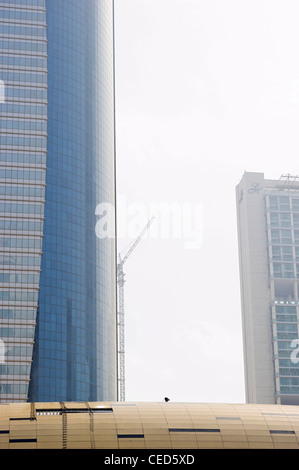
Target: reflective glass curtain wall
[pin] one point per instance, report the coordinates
(282, 212)
(23, 146)
(73, 345)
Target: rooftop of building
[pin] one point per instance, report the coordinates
(143, 425)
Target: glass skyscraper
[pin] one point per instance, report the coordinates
(57, 163)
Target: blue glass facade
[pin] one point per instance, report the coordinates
(282, 212)
(64, 107)
(23, 150)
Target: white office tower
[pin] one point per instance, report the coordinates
(268, 235)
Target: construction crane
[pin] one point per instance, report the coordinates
(121, 310)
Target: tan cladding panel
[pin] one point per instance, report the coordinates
(148, 425)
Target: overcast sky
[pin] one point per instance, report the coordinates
(205, 89)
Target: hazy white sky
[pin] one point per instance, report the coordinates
(205, 90)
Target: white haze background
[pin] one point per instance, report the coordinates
(205, 89)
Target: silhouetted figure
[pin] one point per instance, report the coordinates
(166, 399)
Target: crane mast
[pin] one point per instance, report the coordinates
(121, 311)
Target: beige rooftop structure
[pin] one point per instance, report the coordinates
(148, 426)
